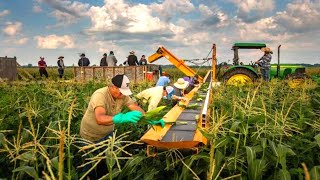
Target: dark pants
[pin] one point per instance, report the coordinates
(265, 74)
(43, 72)
(60, 71)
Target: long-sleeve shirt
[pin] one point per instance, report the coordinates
(265, 60)
(112, 60)
(84, 62)
(163, 81)
(103, 61)
(60, 64)
(152, 95)
(133, 60)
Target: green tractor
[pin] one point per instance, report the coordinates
(247, 74)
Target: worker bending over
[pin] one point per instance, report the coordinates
(154, 95)
(104, 110)
(179, 88)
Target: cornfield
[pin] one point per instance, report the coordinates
(263, 131)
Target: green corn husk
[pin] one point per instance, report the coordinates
(154, 114)
(193, 106)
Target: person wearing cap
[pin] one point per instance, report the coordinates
(179, 88)
(103, 61)
(264, 63)
(60, 66)
(154, 95)
(143, 60)
(111, 59)
(83, 61)
(163, 80)
(193, 81)
(104, 110)
(42, 67)
(132, 59)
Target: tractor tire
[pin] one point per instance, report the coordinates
(296, 79)
(239, 76)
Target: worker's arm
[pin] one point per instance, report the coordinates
(135, 107)
(101, 117)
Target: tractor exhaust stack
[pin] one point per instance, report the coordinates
(278, 65)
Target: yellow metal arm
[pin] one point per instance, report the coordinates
(163, 52)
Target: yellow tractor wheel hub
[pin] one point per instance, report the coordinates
(295, 82)
(239, 80)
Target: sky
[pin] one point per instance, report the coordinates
(187, 28)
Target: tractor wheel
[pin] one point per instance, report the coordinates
(295, 80)
(240, 77)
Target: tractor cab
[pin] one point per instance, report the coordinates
(238, 46)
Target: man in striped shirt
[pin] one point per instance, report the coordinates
(264, 63)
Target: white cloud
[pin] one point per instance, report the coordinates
(66, 12)
(12, 28)
(205, 10)
(37, 8)
(63, 19)
(22, 41)
(169, 8)
(54, 42)
(4, 13)
(119, 16)
(253, 10)
(300, 17)
(257, 5)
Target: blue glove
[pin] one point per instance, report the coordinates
(129, 117)
(157, 122)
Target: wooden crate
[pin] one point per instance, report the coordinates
(8, 68)
(134, 73)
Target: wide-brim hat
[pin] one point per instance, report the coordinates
(60, 57)
(131, 52)
(266, 49)
(181, 84)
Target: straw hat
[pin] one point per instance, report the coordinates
(60, 57)
(266, 50)
(131, 52)
(181, 84)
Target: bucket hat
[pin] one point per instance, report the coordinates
(181, 84)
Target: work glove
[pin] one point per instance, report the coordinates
(129, 117)
(157, 122)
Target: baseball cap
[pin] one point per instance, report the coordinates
(122, 82)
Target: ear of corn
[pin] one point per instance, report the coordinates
(154, 114)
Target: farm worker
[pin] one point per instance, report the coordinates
(163, 80)
(143, 60)
(193, 81)
(179, 88)
(111, 59)
(132, 59)
(103, 61)
(104, 110)
(264, 63)
(154, 95)
(42, 67)
(60, 66)
(83, 61)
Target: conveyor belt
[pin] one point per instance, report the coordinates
(184, 132)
